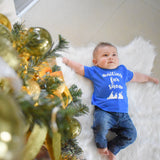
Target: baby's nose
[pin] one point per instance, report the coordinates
(110, 57)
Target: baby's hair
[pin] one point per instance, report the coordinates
(102, 44)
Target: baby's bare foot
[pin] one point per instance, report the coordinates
(103, 151)
(111, 156)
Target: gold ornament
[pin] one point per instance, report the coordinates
(32, 89)
(75, 127)
(4, 32)
(8, 53)
(34, 142)
(5, 85)
(54, 143)
(5, 21)
(62, 91)
(11, 129)
(56, 139)
(43, 69)
(24, 58)
(39, 41)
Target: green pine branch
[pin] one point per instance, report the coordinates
(63, 44)
(70, 147)
(17, 28)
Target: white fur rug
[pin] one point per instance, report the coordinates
(144, 101)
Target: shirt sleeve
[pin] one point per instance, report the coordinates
(129, 75)
(88, 72)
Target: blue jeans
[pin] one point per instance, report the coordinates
(120, 123)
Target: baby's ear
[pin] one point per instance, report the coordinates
(94, 62)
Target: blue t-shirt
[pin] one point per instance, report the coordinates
(110, 90)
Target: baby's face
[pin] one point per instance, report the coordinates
(106, 57)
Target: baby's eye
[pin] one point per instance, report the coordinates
(106, 55)
(114, 54)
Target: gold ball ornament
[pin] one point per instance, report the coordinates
(4, 32)
(8, 53)
(11, 129)
(5, 21)
(39, 41)
(75, 127)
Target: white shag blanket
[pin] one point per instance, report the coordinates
(144, 101)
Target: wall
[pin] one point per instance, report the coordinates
(8, 9)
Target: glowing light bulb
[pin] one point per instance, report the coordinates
(5, 136)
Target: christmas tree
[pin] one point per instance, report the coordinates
(35, 97)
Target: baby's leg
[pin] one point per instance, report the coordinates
(126, 135)
(103, 121)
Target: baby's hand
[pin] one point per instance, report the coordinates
(65, 60)
(156, 81)
(77, 67)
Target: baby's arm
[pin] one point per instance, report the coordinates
(77, 67)
(139, 77)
